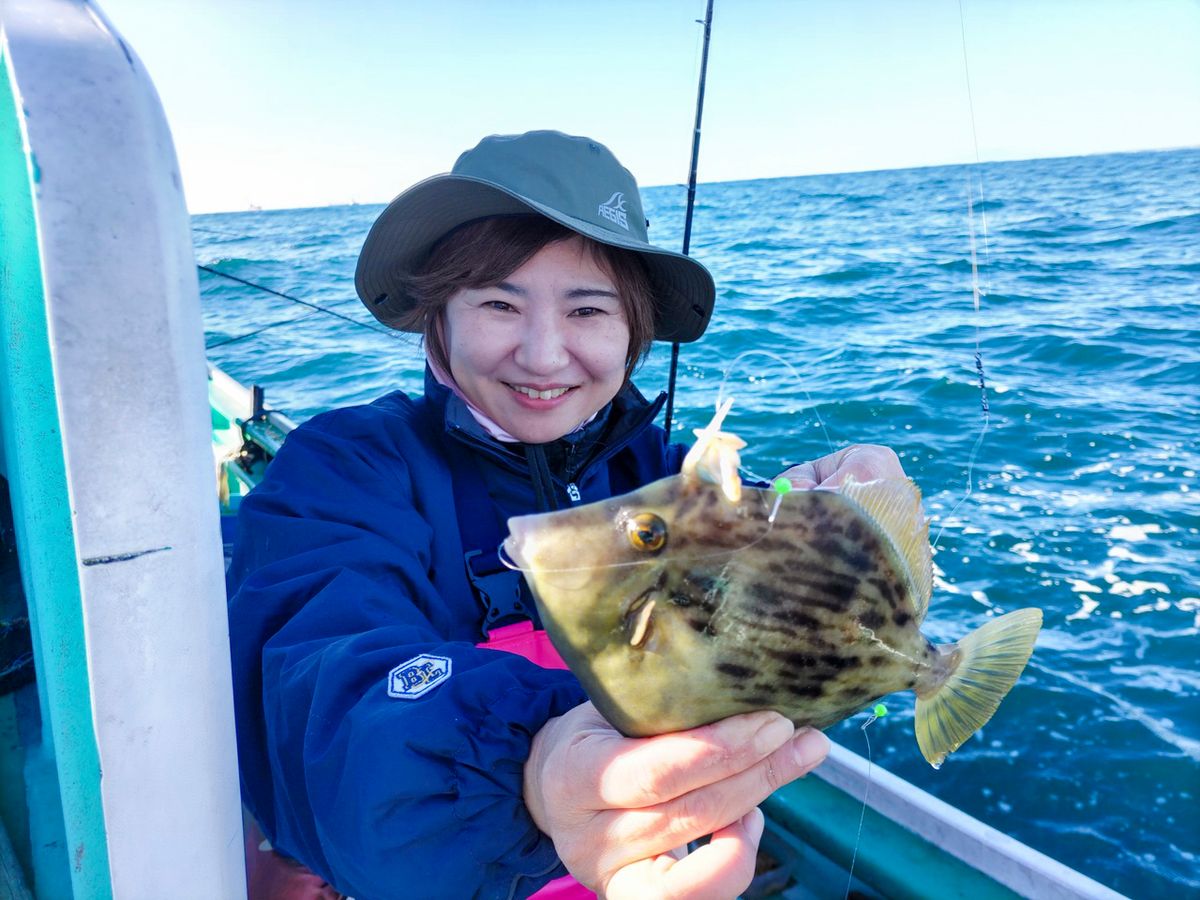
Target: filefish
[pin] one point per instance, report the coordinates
(676, 605)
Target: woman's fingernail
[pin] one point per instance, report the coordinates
(754, 822)
(810, 747)
(773, 735)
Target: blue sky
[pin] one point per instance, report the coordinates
(313, 102)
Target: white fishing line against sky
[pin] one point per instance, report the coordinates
(310, 103)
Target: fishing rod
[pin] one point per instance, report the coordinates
(691, 201)
(312, 306)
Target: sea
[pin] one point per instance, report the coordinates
(1025, 335)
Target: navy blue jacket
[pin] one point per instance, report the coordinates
(349, 564)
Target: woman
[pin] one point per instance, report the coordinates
(384, 741)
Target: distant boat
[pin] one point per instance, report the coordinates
(119, 452)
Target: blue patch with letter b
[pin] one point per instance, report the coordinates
(418, 676)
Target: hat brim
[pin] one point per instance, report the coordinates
(405, 232)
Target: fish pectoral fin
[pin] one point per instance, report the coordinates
(895, 504)
(641, 625)
(991, 659)
(638, 619)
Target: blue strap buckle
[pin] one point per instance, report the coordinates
(498, 589)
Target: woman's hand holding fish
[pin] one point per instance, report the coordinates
(618, 808)
(866, 462)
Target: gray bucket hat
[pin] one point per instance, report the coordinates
(575, 181)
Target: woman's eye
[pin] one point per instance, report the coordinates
(498, 305)
(587, 312)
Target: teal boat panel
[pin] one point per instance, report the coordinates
(887, 857)
(75, 861)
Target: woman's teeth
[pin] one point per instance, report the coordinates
(539, 395)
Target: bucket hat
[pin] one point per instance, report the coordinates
(575, 181)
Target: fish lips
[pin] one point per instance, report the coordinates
(542, 557)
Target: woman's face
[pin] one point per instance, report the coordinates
(543, 350)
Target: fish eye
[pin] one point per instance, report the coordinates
(647, 532)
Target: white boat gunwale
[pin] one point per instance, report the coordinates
(119, 550)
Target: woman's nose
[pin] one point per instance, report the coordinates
(543, 347)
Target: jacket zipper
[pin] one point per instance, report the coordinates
(610, 451)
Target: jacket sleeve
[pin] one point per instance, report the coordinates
(329, 593)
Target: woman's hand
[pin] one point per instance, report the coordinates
(619, 808)
(866, 462)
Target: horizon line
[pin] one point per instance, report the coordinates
(674, 184)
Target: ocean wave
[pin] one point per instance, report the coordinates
(1161, 728)
(861, 272)
(1183, 220)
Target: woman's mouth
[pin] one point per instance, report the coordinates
(536, 394)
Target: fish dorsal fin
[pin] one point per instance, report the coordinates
(895, 504)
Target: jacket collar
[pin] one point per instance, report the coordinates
(622, 419)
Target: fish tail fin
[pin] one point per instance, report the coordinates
(991, 659)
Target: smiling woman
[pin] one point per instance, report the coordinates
(383, 739)
(536, 326)
(542, 351)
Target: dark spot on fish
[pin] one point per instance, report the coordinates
(797, 659)
(757, 700)
(876, 660)
(728, 668)
(871, 618)
(680, 600)
(854, 532)
(901, 617)
(795, 617)
(764, 593)
(856, 559)
(836, 661)
(809, 691)
(834, 594)
(887, 591)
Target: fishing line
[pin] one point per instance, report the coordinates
(721, 397)
(770, 508)
(976, 293)
(313, 306)
(258, 331)
(877, 713)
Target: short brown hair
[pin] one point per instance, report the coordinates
(484, 252)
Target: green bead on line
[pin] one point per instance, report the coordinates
(880, 710)
(782, 486)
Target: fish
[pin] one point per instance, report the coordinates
(676, 606)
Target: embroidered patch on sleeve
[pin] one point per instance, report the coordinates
(418, 676)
